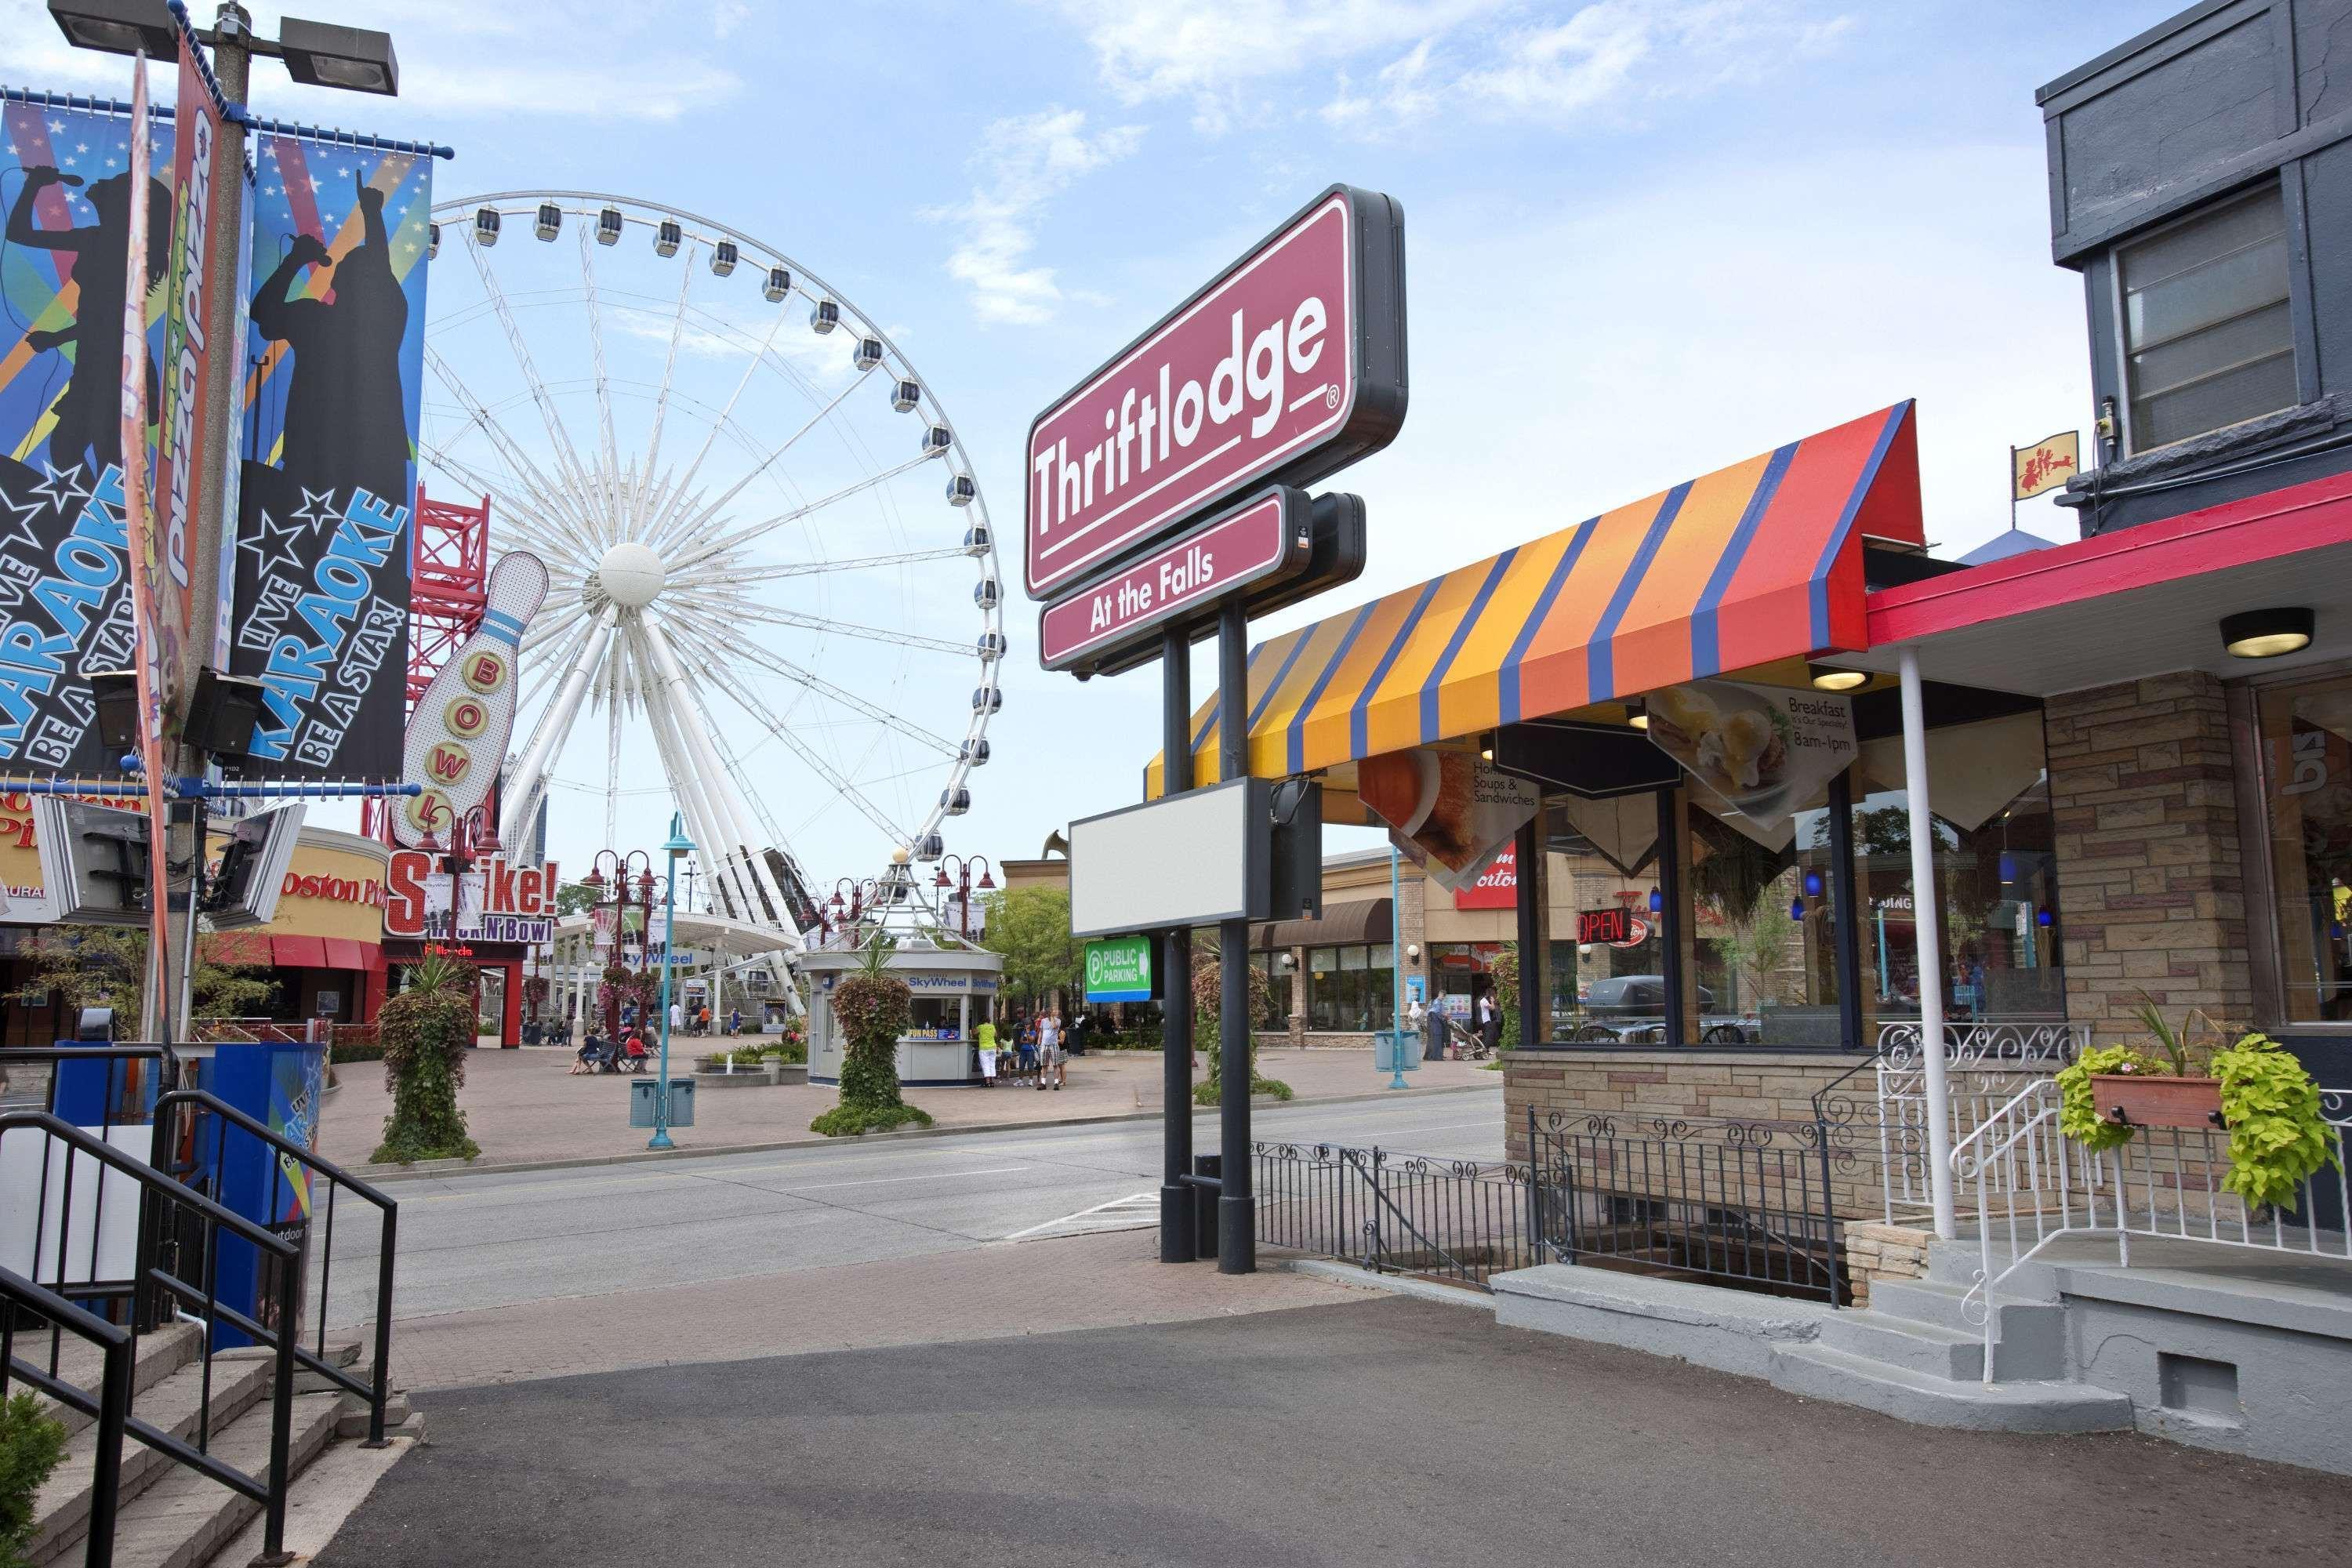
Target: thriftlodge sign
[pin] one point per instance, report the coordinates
(1287, 366)
(1266, 536)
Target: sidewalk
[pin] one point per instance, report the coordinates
(524, 1106)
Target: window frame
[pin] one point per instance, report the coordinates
(2297, 305)
(2265, 944)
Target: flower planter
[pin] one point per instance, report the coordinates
(2141, 1100)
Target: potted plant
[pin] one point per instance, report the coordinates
(2136, 1089)
(2259, 1094)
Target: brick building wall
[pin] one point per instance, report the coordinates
(2151, 891)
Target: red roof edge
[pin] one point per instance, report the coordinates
(2308, 516)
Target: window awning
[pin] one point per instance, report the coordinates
(1758, 561)
(1358, 920)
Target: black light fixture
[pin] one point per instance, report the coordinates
(320, 54)
(117, 26)
(116, 694)
(222, 712)
(1825, 678)
(2267, 633)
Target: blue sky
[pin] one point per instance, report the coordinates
(1645, 238)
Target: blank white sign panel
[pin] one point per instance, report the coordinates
(1177, 862)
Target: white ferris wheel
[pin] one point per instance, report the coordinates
(736, 481)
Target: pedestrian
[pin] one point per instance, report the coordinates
(1490, 1022)
(735, 1020)
(1028, 1041)
(677, 1018)
(1049, 1051)
(983, 1041)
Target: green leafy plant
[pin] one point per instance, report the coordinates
(31, 1444)
(2184, 1044)
(2078, 1113)
(873, 1006)
(2278, 1135)
(1208, 999)
(424, 1032)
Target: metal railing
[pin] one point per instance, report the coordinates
(179, 1123)
(2029, 1184)
(1735, 1202)
(24, 1307)
(1463, 1220)
(1985, 1064)
(174, 1226)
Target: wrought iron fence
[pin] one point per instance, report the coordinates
(1743, 1203)
(1463, 1220)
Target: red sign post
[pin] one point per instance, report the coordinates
(1287, 366)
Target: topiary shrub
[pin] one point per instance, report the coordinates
(31, 1444)
(424, 1032)
(873, 1006)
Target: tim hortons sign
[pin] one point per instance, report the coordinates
(503, 901)
(1287, 366)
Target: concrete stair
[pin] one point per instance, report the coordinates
(167, 1515)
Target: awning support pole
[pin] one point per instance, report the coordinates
(1925, 932)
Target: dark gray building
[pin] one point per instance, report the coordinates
(2200, 181)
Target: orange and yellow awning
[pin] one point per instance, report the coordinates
(1758, 561)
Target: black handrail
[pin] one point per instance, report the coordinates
(111, 1408)
(151, 1274)
(199, 1101)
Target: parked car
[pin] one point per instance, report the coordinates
(1622, 995)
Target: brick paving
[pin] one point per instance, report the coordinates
(999, 1290)
(525, 1105)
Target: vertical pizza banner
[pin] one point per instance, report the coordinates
(66, 280)
(335, 347)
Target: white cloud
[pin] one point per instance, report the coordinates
(1416, 58)
(728, 15)
(1023, 162)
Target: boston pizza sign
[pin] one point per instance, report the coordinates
(1287, 366)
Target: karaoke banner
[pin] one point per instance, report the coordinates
(336, 346)
(65, 278)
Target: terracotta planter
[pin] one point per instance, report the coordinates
(2153, 1100)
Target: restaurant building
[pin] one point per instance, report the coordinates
(1968, 818)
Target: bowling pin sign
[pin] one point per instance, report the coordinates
(458, 736)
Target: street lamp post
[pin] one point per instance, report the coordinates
(961, 882)
(678, 845)
(597, 882)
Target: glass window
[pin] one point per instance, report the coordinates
(2208, 339)
(1995, 877)
(1350, 990)
(2307, 789)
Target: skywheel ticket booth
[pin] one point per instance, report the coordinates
(955, 991)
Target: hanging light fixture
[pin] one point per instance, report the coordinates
(1825, 678)
(2007, 866)
(1812, 884)
(2041, 916)
(2267, 633)
(1797, 908)
(1658, 900)
(1637, 714)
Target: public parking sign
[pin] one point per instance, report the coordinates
(1119, 970)
(1287, 366)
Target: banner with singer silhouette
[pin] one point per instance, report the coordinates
(335, 347)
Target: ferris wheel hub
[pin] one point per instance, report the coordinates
(631, 575)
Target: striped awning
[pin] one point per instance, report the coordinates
(1755, 563)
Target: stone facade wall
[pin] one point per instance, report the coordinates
(1639, 1090)
(2151, 891)
(1875, 1251)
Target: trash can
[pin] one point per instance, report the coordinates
(681, 1103)
(1433, 1027)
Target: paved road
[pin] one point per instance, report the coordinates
(1377, 1431)
(483, 1241)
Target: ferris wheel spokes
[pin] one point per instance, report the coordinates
(686, 720)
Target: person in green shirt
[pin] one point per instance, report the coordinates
(984, 1040)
